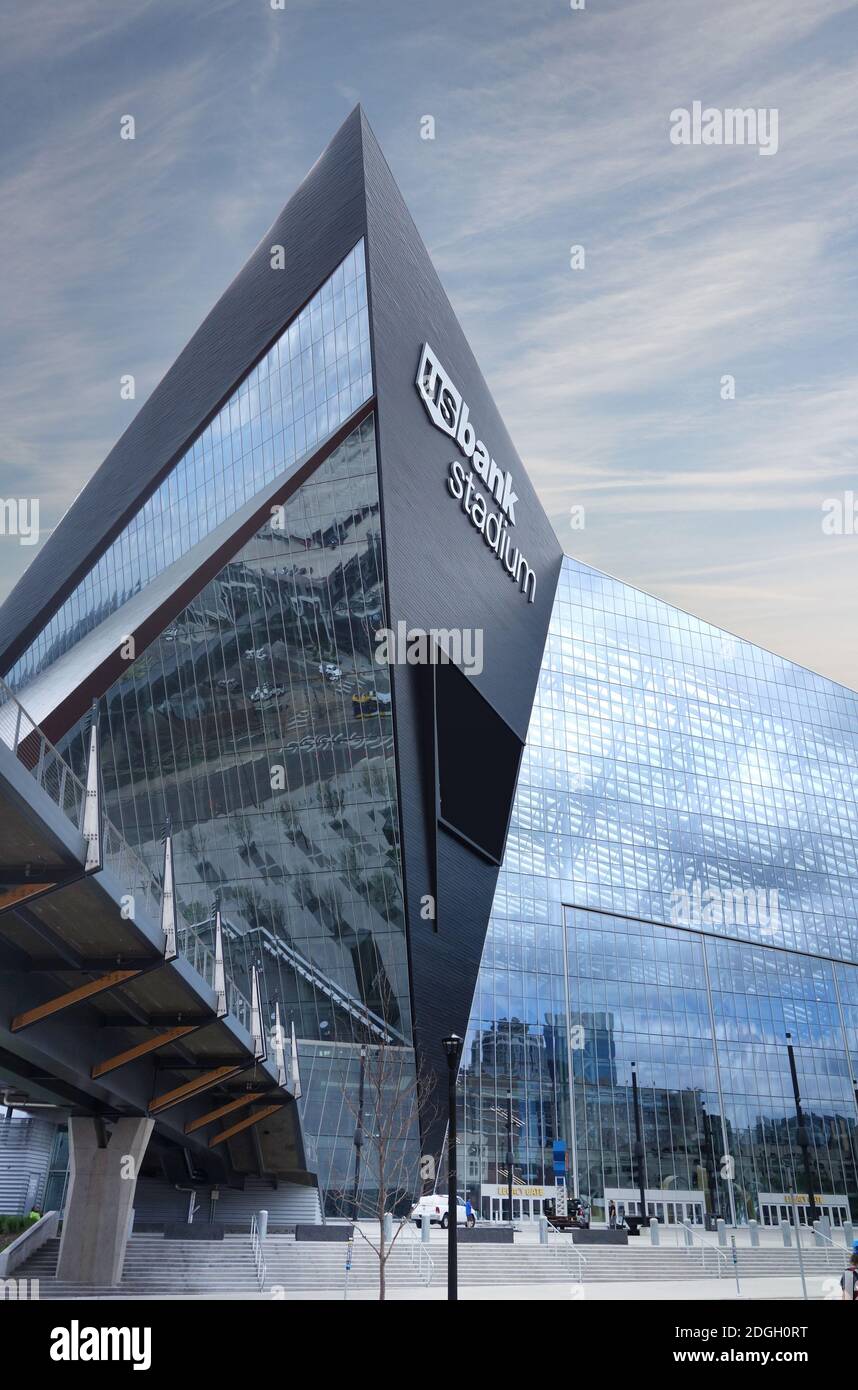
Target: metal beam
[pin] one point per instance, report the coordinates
(244, 1124)
(132, 1054)
(222, 1110)
(72, 997)
(193, 1088)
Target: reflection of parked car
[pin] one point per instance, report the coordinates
(267, 692)
(229, 684)
(330, 671)
(258, 653)
(434, 1209)
(371, 702)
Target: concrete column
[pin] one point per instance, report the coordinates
(786, 1232)
(754, 1229)
(102, 1185)
(848, 1234)
(722, 1230)
(425, 1231)
(543, 1230)
(654, 1232)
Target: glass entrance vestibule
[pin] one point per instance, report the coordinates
(670, 1207)
(776, 1207)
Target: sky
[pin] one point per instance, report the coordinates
(552, 130)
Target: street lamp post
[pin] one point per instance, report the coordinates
(639, 1151)
(509, 1153)
(453, 1049)
(710, 1159)
(358, 1139)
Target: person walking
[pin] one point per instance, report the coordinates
(612, 1215)
(849, 1277)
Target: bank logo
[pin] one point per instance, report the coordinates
(448, 412)
(440, 397)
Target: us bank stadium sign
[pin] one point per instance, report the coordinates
(491, 512)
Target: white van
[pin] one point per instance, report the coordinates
(434, 1209)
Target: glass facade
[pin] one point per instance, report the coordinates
(316, 375)
(261, 723)
(679, 891)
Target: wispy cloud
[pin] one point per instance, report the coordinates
(552, 130)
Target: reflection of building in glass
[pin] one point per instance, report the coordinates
(242, 722)
(664, 754)
(283, 496)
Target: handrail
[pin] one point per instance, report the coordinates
(704, 1245)
(49, 769)
(415, 1246)
(563, 1242)
(257, 1247)
(28, 1242)
(829, 1239)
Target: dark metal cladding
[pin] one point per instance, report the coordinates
(440, 574)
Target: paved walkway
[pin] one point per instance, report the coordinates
(661, 1291)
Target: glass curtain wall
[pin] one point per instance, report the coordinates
(679, 890)
(261, 723)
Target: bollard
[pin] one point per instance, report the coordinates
(819, 1233)
(786, 1232)
(388, 1227)
(722, 1230)
(754, 1228)
(849, 1234)
(654, 1232)
(689, 1239)
(543, 1230)
(425, 1230)
(262, 1224)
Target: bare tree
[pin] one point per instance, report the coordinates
(387, 1106)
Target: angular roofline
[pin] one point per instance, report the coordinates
(322, 221)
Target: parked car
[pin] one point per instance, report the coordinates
(435, 1208)
(330, 671)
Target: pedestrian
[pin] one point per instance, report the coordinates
(849, 1278)
(612, 1215)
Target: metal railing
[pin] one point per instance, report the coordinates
(257, 1246)
(418, 1253)
(195, 951)
(23, 737)
(564, 1249)
(705, 1245)
(840, 1253)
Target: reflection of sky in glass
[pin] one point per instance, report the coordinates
(307, 384)
(663, 753)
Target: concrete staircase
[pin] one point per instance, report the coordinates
(157, 1268)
